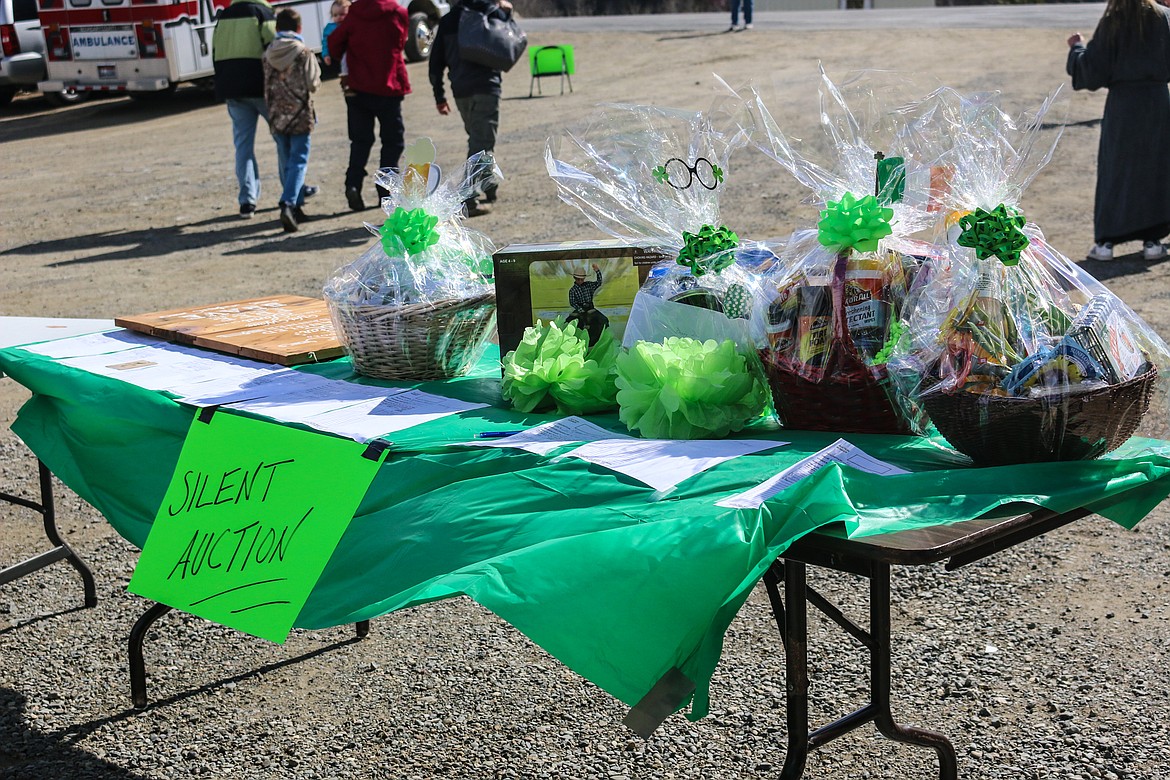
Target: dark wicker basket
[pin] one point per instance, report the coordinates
(421, 342)
(999, 430)
(849, 399)
(844, 394)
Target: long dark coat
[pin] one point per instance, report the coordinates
(1133, 158)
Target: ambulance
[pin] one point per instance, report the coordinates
(148, 47)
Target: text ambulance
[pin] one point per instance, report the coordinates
(149, 46)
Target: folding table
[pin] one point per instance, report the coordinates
(872, 558)
(631, 587)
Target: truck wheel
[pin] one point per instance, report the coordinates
(68, 97)
(6, 95)
(419, 37)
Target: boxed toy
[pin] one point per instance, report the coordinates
(590, 283)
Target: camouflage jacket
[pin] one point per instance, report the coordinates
(291, 76)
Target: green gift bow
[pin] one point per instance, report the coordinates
(995, 233)
(854, 223)
(412, 230)
(708, 250)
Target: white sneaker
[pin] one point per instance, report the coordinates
(747, 27)
(1153, 250)
(1100, 252)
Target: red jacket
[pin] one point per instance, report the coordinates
(373, 35)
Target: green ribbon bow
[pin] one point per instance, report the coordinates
(708, 250)
(853, 223)
(480, 265)
(660, 174)
(412, 230)
(995, 233)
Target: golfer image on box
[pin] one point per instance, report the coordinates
(584, 316)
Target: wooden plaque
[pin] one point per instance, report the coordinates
(284, 329)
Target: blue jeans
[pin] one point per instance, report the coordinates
(747, 11)
(293, 151)
(245, 114)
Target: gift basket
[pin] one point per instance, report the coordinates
(1015, 353)
(418, 304)
(833, 302)
(651, 176)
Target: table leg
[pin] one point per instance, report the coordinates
(792, 620)
(137, 665)
(880, 679)
(60, 551)
(138, 636)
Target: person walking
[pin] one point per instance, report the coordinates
(1129, 54)
(371, 38)
(475, 87)
(291, 76)
(242, 32)
(747, 15)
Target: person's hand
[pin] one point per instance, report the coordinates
(328, 60)
(1074, 39)
(505, 5)
(444, 108)
(595, 267)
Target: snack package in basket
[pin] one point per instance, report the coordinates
(1017, 354)
(651, 176)
(419, 304)
(833, 302)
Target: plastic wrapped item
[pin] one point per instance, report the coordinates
(650, 176)
(832, 303)
(555, 365)
(1015, 352)
(419, 304)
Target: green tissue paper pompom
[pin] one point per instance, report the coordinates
(556, 366)
(688, 389)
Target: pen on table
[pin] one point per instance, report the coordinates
(495, 434)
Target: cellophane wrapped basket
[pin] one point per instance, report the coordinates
(651, 176)
(833, 301)
(1016, 354)
(419, 304)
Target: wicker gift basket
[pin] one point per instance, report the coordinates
(419, 304)
(824, 375)
(833, 301)
(1016, 354)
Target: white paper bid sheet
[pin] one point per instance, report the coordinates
(663, 463)
(396, 412)
(103, 343)
(839, 451)
(546, 437)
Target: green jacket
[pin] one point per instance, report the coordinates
(243, 31)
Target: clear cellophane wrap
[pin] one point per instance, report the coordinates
(651, 176)
(1015, 352)
(419, 302)
(833, 302)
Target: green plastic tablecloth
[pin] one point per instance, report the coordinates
(620, 583)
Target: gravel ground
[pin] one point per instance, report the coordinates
(1046, 661)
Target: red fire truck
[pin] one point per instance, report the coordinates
(145, 47)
